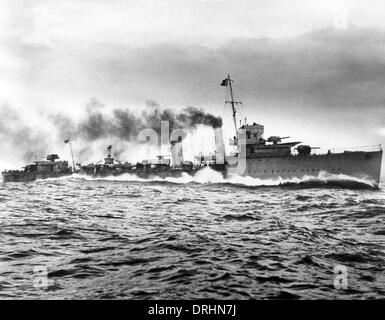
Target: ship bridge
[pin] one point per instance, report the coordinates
(257, 146)
(254, 134)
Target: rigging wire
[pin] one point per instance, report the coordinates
(299, 114)
(339, 95)
(242, 111)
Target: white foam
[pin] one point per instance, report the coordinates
(208, 175)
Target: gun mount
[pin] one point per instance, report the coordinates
(305, 150)
(276, 139)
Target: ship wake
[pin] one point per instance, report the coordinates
(210, 176)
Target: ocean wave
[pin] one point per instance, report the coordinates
(247, 238)
(210, 176)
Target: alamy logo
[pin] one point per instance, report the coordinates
(151, 137)
(40, 280)
(341, 278)
(340, 18)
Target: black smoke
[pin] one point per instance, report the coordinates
(14, 133)
(126, 125)
(23, 141)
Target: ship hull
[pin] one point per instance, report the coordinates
(363, 165)
(152, 173)
(30, 176)
(140, 174)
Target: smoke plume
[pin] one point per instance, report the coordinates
(97, 127)
(26, 142)
(126, 125)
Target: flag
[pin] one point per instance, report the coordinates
(225, 82)
(66, 141)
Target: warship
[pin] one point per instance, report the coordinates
(40, 169)
(271, 158)
(255, 156)
(164, 166)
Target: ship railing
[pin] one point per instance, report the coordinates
(368, 148)
(12, 171)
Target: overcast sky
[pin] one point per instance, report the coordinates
(313, 70)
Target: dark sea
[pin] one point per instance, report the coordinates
(189, 238)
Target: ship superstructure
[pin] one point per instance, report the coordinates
(255, 156)
(271, 158)
(163, 166)
(40, 169)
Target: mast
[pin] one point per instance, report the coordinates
(227, 82)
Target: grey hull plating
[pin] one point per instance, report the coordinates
(366, 165)
(31, 176)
